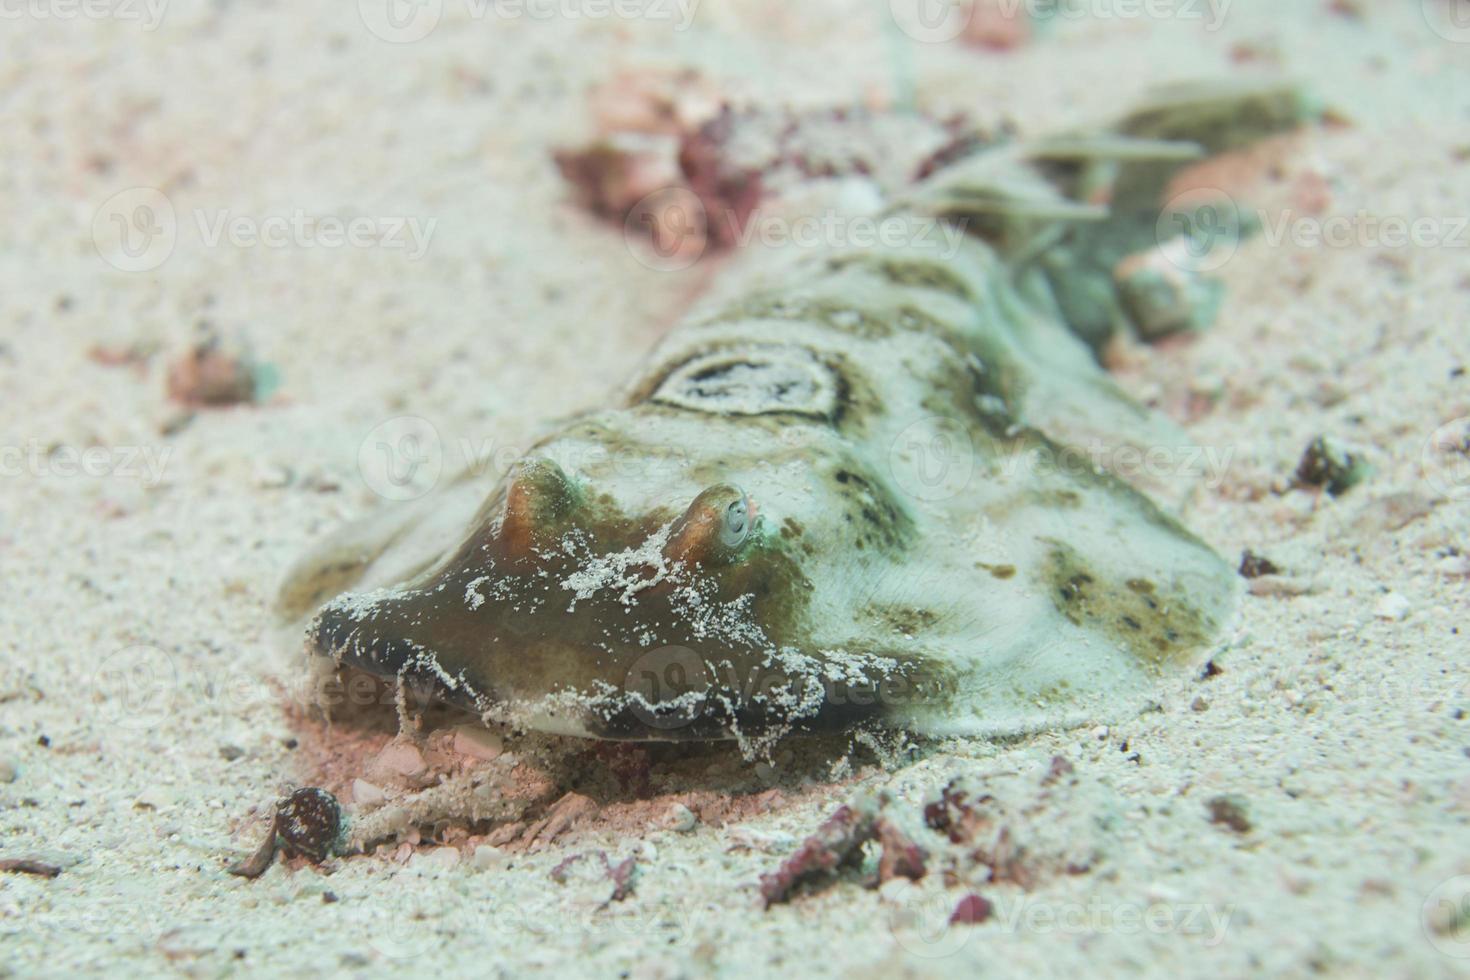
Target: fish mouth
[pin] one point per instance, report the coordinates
(353, 639)
(668, 693)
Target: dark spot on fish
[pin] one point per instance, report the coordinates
(1136, 620)
(907, 620)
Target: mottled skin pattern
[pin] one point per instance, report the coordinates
(836, 500)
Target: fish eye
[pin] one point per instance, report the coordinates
(736, 525)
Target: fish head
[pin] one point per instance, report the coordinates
(649, 616)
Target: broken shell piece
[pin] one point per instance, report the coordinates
(308, 824)
(614, 174)
(1328, 465)
(209, 376)
(647, 100)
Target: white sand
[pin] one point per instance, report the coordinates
(1341, 730)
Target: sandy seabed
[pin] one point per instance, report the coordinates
(137, 537)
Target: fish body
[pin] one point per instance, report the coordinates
(884, 489)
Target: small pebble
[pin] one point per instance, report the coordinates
(971, 910)
(486, 858)
(1327, 464)
(438, 859)
(1230, 811)
(399, 759)
(897, 891)
(365, 793)
(1253, 565)
(208, 376)
(1393, 607)
(477, 743)
(8, 771)
(154, 798)
(680, 818)
(309, 822)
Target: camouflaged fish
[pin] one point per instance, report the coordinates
(842, 499)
